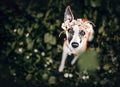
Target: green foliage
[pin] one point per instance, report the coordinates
(50, 39)
(31, 47)
(88, 61)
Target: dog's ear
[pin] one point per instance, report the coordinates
(68, 15)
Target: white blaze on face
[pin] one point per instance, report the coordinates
(76, 37)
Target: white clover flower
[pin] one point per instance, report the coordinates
(45, 65)
(66, 75)
(70, 75)
(20, 43)
(35, 50)
(20, 50)
(51, 61)
(43, 53)
(15, 30)
(83, 77)
(27, 57)
(27, 34)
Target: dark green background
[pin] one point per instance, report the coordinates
(31, 49)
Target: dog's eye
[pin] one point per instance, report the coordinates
(70, 30)
(82, 33)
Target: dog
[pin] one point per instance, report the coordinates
(78, 33)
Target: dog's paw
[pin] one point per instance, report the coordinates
(61, 68)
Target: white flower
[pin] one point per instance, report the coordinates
(51, 61)
(20, 50)
(35, 50)
(70, 75)
(27, 57)
(20, 43)
(27, 35)
(66, 75)
(15, 30)
(43, 53)
(83, 77)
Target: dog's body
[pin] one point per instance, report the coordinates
(78, 33)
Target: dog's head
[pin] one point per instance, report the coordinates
(77, 31)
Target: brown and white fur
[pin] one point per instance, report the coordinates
(78, 33)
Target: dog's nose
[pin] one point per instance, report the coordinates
(75, 44)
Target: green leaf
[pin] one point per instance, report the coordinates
(12, 71)
(28, 77)
(45, 76)
(88, 61)
(29, 29)
(59, 48)
(49, 38)
(106, 67)
(52, 27)
(20, 31)
(49, 46)
(38, 58)
(52, 80)
(30, 43)
(36, 26)
(39, 15)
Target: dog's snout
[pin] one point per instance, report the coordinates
(82, 33)
(75, 44)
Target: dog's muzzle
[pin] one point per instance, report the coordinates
(75, 44)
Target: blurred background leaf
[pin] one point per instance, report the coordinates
(88, 61)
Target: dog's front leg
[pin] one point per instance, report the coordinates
(62, 65)
(74, 60)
